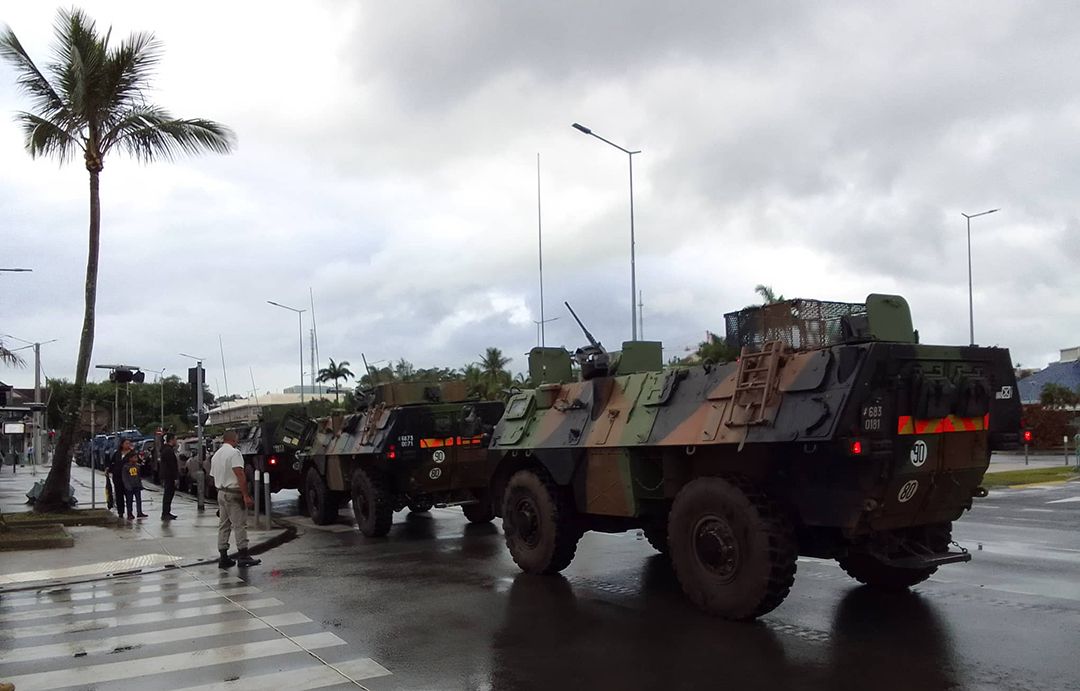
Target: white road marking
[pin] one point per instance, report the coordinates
(107, 592)
(143, 562)
(132, 620)
(97, 646)
(1038, 510)
(131, 669)
(1068, 500)
(124, 604)
(301, 679)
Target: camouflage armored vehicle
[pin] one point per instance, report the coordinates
(415, 445)
(271, 444)
(835, 435)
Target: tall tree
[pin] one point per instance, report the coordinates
(335, 372)
(93, 101)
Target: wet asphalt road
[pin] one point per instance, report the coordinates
(441, 605)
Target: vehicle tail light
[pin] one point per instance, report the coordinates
(391, 452)
(272, 460)
(856, 447)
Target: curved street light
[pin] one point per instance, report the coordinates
(633, 270)
(971, 299)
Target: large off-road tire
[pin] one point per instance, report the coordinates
(371, 503)
(539, 523)
(480, 512)
(322, 503)
(732, 548)
(867, 569)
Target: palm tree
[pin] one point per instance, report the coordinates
(334, 372)
(493, 370)
(767, 294)
(94, 100)
(9, 357)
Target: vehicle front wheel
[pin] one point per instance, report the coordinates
(732, 548)
(372, 508)
(321, 502)
(539, 523)
(867, 569)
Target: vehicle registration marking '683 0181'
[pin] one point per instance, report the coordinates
(872, 415)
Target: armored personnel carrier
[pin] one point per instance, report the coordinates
(415, 445)
(836, 435)
(271, 445)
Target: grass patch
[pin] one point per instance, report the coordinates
(1024, 477)
(39, 537)
(73, 517)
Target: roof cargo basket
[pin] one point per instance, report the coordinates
(798, 324)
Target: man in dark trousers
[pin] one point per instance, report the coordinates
(168, 471)
(115, 468)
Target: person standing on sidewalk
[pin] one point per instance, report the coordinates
(168, 471)
(115, 469)
(227, 469)
(133, 484)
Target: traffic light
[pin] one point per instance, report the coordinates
(138, 377)
(1027, 436)
(122, 376)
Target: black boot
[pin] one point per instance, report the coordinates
(244, 559)
(225, 561)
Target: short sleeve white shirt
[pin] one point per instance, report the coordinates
(221, 466)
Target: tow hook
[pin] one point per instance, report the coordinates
(980, 492)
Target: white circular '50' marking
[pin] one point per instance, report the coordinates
(918, 453)
(908, 490)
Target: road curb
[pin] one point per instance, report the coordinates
(285, 534)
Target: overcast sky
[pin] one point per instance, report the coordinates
(387, 160)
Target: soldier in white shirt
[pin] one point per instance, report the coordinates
(227, 469)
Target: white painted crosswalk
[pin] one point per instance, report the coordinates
(178, 629)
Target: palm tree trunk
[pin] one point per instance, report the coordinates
(336, 391)
(54, 496)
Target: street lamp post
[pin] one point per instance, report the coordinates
(971, 298)
(200, 454)
(300, 319)
(633, 269)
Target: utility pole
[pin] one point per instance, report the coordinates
(313, 390)
(37, 407)
(641, 314)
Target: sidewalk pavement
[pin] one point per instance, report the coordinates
(141, 544)
(1001, 462)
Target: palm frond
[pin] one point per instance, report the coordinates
(150, 133)
(45, 138)
(30, 79)
(127, 71)
(79, 54)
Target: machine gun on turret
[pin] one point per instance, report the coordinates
(593, 359)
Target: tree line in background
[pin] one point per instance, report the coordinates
(144, 401)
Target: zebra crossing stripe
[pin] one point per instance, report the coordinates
(132, 620)
(303, 678)
(105, 646)
(128, 604)
(161, 664)
(102, 592)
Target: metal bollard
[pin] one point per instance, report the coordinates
(256, 493)
(266, 497)
(200, 488)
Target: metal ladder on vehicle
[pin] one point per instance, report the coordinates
(754, 381)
